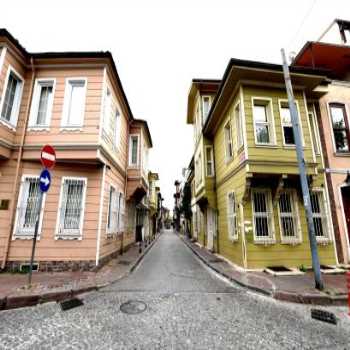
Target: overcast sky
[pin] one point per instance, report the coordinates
(159, 46)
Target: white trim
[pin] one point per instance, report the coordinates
(2, 57)
(239, 131)
(71, 236)
(228, 127)
(232, 236)
(212, 161)
(99, 228)
(64, 125)
(131, 136)
(104, 87)
(12, 124)
(271, 122)
(345, 104)
(35, 104)
(204, 117)
(283, 100)
(244, 126)
(19, 198)
(339, 187)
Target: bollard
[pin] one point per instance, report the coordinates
(348, 275)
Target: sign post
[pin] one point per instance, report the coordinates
(48, 159)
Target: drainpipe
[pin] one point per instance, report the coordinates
(125, 184)
(19, 158)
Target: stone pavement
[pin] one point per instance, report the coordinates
(297, 288)
(54, 286)
(188, 306)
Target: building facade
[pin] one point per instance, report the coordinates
(75, 102)
(260, 215)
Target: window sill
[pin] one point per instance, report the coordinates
(228, 160)
(71, 128)
(25, 236)
(291, 242)
(323, 241)
(233, 239)
(341, 154)
(264, 242)
(38, 128)
(266, 145)
(7, 124)
(68, 237)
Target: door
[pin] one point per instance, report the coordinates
(345, 191)
(210, 228)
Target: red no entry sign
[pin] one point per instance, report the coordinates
(48, 156)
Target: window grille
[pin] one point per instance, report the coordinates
(232, 216)
(71, 208)
(288, 213)
(28, 206)
(319, 214)
(263, 216)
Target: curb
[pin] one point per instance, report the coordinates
(17, 301)
(313, 299)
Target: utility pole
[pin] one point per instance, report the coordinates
(302, 174)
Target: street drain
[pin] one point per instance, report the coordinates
(133, 307)
(124, 262)
(70, 304)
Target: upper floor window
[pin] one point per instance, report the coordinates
(74, 102)
(340, 127)
(133, 150)
(314, 134)
(41, 109)
(117, 127)
(228, 142)
(206, 102)
(209, 160)
(262, 114)
(11, 98)
(198, 169)
(145, 158)
(239, 126)
(286, 120)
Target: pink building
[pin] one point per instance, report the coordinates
(75, 102)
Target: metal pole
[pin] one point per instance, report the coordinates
(35, 238)
(302, 174)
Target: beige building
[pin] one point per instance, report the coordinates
(75, 102)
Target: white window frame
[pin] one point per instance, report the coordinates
(239, 126)
(285, 101)
(64, 119)
(270, 239)
(39, 83)
(27, 235)
(325, 216)
(232, 222)
(297, 238)
(203, 97)
(113, 229)
(211, 161)
(268, 103)
(121, 214)
(314, 134)
(12, 123)
(63, 235)
(228, 141)
(132, 136)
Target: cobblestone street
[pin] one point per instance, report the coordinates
(188, 307)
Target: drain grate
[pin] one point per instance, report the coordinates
(124, 262)
(323, 315)
(133, 307)
(70, 304)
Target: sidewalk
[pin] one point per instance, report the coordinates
(297, 288)
(56, 286)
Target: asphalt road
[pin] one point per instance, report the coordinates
(186, 307)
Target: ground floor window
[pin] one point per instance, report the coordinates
(262, 215)
(289, 218)
(71, 207)
(113, 211)
(232, 216)
(319, 214)
(28, 206)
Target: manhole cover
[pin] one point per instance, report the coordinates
(133, 307)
